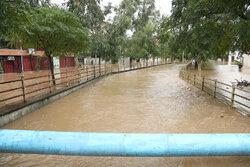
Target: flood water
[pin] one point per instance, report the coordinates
(228, 74)
(151, 100)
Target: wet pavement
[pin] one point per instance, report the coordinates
(151, 100)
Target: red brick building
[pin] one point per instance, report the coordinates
(15, 60)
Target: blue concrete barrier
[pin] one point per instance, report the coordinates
(123, 144)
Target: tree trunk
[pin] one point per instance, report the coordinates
(99, 65)
(52, 68)
(183, 57)
(130, 62)
(196, 64)
(199, 63)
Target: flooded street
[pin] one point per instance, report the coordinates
(153, 100)
(228, 73)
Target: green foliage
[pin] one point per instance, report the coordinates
(143, 43)
(92, 17)
(37, 3)
(235, 62)
(55, 30)
(40, 25)
(11, 17)
(144, 18)
(90, 12)
(208, 29)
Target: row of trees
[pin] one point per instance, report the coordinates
(198, 29)
(79, 28)
(37, 24)
(202, 29)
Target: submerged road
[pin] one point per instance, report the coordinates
(151, 100)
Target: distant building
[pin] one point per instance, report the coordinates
(246, 60)
(234, 56)
(16, 61)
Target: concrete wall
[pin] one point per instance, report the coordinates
(56, 62)
(246, 60)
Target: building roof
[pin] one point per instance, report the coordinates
(17, 52)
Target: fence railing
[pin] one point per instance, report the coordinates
(229, 94)
(21, 90)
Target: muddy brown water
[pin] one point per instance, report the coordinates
(228, 73)
(151, 100)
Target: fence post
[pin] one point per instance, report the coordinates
(99, 69)
(203, 82)
(87, 73)
(105, 68)
(94, 70)
(215, 84)
(23, 88)
(233, 92)
(118, 67)
(67, 79)
(79, 75)
(49, 82)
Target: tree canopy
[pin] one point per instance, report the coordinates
(198, 29)
(56, 31)
(207, 29)
(210, 29)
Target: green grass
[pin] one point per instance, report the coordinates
(235, 63)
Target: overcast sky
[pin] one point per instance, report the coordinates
(163, 5)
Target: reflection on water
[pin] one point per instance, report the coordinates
(152, 100)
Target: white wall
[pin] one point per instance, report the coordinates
(56, 62)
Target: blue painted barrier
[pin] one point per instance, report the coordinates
(123, 144)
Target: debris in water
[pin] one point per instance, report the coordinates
(241, 83)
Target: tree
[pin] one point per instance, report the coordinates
(144, 43)
(109, 41)
(143, 20)
(92, 17)
(56, 31)
(210, 29)
(89, 11)
(11, 16)
(116, 37)
(38, 3)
